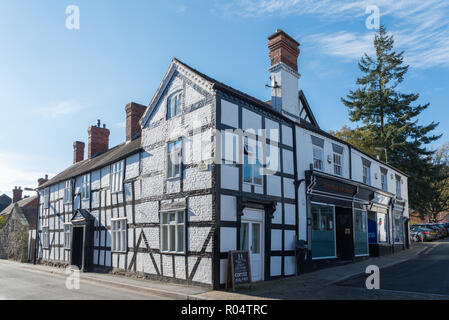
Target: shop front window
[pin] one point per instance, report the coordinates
(382, 228)
(323, 231)
(360, 232)
(398, 229)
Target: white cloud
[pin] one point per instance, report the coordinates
(342, 44)
(121, 124)
(61, 109)
(14, 171)
(421, 28)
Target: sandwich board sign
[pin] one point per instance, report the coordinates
(239, 268)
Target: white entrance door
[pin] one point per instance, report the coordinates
(251, 239)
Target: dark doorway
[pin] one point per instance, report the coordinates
(77, 246)
(344, 233)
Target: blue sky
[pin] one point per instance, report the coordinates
(56, 82)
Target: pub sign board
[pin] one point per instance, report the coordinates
(333, 186)
(239, 268)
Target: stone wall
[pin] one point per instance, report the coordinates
(14, 240)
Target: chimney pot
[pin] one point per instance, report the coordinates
(16, 194)
(134, 113)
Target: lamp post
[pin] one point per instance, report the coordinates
(36, 247)
(386, 155)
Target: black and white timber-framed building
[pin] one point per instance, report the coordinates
(207, 169)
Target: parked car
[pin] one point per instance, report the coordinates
(442, 227)
(446, 225)
(439, 230)
(424, 234)
(416, 235)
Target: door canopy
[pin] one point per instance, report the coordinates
(81, 216)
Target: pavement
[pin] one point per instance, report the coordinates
(27, 281)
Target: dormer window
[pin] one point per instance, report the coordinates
(318, 153)
(383, 179)
(398, 186)
(174, 105)
(317, 158)
(338, 159)
(366, 171)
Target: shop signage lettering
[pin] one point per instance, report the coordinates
(239, 270)
(337, 188)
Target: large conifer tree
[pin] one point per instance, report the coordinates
(390, 116)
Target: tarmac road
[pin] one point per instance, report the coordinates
(426, 273)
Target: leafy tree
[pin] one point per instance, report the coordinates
(387, 117)
(439, 186)
(359, 138)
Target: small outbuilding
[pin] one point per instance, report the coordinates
(16, 240)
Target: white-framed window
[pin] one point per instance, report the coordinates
(398, 188)
(85, 186)
(172, 231)
(47, 198)
(384, 181)
(67, 235)
(318, 155)
(174, 154)
(119, 237)
(45, 237)
(251, 163)
(366, 175)
(117, 176)
(338, 164)
(68, 191)
(174, 105)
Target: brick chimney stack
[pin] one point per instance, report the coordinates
(284, 53)
(41, 181)
(98, 140)
(283, 48)
(134, 112)
(16, 194)
(78, 151)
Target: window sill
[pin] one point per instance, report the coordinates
(173, 178)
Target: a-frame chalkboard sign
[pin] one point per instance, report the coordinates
(239, 269)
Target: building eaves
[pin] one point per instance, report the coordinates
(112, 155)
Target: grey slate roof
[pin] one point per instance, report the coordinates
(112, 155)
(25, 202)
(4, 201)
